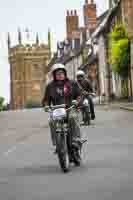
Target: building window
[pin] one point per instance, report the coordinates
(36, 87)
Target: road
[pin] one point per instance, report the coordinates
(29, 170)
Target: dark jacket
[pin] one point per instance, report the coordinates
(85, 85)
(61, 93)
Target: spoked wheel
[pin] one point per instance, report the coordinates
(64, 162)
(62, 152)
(87, 117)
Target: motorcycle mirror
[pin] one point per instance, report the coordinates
(94, 94)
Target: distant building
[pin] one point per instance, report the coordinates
(70, 51)
(28, 69)
(120, 11)
(73, 30)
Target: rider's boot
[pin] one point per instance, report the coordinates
(54, 149)
(93, 116)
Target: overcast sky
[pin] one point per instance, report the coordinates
(37, 16)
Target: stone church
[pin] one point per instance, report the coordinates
(28, 69)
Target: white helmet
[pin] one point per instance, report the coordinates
(80, 73)
(58, 66)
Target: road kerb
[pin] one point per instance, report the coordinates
(126, 108)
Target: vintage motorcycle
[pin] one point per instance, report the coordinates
(66, 152)
(85, 108)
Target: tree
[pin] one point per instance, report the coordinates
(1, 103)
(119, 53)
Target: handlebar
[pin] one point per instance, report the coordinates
(53, 107)
(50, 108)
(90, 93)
(56, 106)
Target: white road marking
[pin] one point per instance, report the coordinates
(12, 149)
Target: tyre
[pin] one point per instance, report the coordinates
(77, 157)
(64, 162)
(62, 152)
(87, 116)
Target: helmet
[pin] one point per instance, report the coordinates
(58, 66)
(80, 73)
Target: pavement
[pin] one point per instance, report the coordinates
(30, 171)
(128, 106)
(125, 105)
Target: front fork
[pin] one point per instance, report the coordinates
(61, 136)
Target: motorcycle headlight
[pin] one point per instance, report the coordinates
(59, 113)
(86, 102)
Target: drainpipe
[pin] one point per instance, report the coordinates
(131, 69)
(110, 4)
(98, 79)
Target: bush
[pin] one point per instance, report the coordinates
(6, 107)
(31, 104)
(1, 103)
(119, 51)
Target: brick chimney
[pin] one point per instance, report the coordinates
(72, 23)
(89, 12)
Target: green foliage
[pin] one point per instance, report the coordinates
(119, 51)
(124, 88)
(118, 32)
(1, 103)
(31, 104)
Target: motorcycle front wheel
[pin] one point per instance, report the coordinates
(86, 117)
(62, 152)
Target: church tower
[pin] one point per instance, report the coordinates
(89, 12)
(28, 69)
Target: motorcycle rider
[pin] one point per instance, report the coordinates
(59, 91)
(86, 87)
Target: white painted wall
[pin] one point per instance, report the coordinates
(102, 65)
(69, 68)
(73, 66)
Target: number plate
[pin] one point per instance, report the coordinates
(85, 102)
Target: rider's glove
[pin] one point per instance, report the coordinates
(85, 92)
